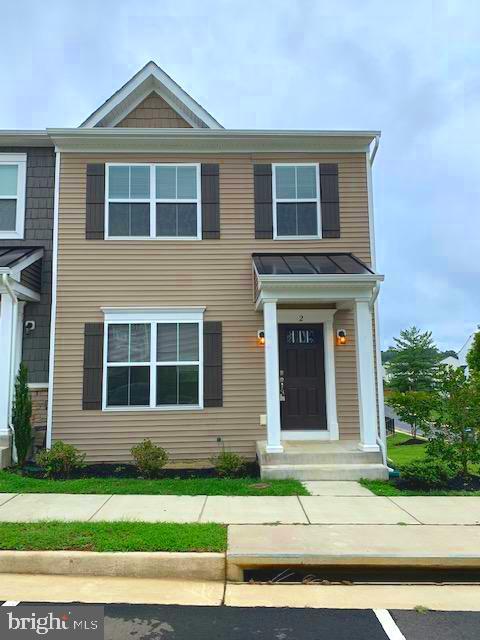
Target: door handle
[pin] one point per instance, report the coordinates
(282, 389)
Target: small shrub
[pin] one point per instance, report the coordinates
(149, 458)
(60, 460)
(229, 464)
(429, 473)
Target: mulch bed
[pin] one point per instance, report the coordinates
(109, 470)
(469, 483)
(411, 441)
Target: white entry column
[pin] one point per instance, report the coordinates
(8, 312)
(330, 391)
(272, 385)
(367, 399)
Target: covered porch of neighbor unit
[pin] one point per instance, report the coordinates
(300, 296)
(20, 282)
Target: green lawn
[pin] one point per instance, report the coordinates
(401, 454)
(14, 483)
(112, 536)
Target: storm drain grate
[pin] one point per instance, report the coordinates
(362, 575)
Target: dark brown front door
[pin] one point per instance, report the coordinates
(302, 368)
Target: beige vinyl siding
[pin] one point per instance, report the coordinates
(154, 112)
(212, 273)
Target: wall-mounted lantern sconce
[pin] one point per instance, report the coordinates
(261, 338)
(341, 337)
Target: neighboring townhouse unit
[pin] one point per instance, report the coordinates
(27, 175)
(211, 287)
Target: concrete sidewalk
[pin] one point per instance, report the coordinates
(308, 510)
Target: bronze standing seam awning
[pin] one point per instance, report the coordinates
(309, 263)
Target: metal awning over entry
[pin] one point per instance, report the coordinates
(312, 277)
(308, 263)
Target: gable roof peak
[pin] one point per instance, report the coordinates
(150, 78)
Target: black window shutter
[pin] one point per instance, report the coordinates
(212, 364)
(330, 202)
(95, 202)
(210, 202)
(262, 181)
(93, 366)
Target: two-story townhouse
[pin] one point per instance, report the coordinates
(214, 287)
(27, 176)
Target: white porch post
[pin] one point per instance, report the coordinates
(274, 443)
(330, 390)
(366, 377)
(7, 333)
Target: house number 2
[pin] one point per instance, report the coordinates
(300, 318)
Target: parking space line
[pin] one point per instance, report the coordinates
(388, 624)
(10, 603)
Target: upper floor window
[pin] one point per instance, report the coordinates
(296, 199)
(153, 201)
(12, 195)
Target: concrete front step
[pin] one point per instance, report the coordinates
(324, 471)
(323, 457)
(315, 460)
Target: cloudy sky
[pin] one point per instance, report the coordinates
(409, 68)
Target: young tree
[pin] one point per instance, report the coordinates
(455, 438)
(413, 407)
(473, 355)
(21, 416)
(414, 362)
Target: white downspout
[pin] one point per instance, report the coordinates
(374, 304)
(11, 372)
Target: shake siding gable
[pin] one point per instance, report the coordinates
(212, 273)
(154, 112)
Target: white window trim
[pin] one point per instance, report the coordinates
(20, 159)
(153, 317)
(152, 200)
(317, 236)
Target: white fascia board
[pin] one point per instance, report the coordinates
(21, 291)
(293, 289)
(313, 278)
(25, 138)
(26, 262)
(122, 140)
(157, 75)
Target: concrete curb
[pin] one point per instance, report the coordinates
(183, 566)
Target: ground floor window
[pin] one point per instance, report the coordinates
(155, 363)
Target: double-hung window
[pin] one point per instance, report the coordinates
(296, 196)
(128, 188)
(178, 362)
(177, 202)
(153, 201)
(12, 195)
(153, 363)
